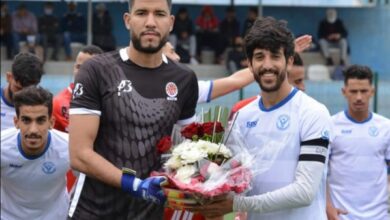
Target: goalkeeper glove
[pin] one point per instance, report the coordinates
(149, 189)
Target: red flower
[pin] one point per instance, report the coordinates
(164, 144)
(208, 127)
(191, 130)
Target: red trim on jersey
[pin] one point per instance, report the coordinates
(239, 105)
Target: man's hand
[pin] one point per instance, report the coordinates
(214, 210)
(333, 213)
(302, 43)
(148, 189)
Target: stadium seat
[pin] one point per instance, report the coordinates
(318, 72)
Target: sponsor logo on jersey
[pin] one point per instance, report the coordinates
(15, 165)
(251, 124)
(78, 90)
(172, 91)
(48, 167)
(373, 131)
(124, 86)
(346, 131)
(283, 122)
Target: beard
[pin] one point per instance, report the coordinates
(280, 77)
(148, 49)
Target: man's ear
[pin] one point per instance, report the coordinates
(9, 76)
(52, 122)
(126, 19)
(16, 121)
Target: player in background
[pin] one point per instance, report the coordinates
(27, 69)
(357, 176)
(34, 160)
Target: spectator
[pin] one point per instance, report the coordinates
(357, 176)
(6, 29)
(73, 25)
(250, 19)
(236, 58)
(24, 24)
(332, 33)
(49, 31)
(183, 37)
(102, 29)
(208, 35)
(229, 27)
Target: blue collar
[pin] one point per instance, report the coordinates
(357, 122)
(281, 103)
(33, 157)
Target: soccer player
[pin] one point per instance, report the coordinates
(61, 101)
(209, 90)
(357, 177)
(34, 160)
(123, 103)
(27, 69)
(293, 187)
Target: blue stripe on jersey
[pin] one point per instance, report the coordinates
(357, 122)
(4, 99)
(33, 157)
(210, 91)
(281, 103)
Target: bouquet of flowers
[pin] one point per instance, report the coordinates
(207, 163)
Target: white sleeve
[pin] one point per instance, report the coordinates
(300, 193)
(205, 90)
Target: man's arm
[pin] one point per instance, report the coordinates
(82, 134)
(331, 212)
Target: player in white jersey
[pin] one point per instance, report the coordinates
(212, 89)
(27, 69)
(34, 160)
(293, 187)
(357, 175)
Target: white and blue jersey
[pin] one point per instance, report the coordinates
(357, 168)
(34, 187)
(7, 113)
(289, 141)
(205, 90)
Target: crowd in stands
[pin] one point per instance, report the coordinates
(189, 37)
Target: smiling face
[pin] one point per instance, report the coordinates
(34, 123)
(150, 22)
(269, 68)
(358, 93)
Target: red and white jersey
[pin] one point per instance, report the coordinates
(61, 103)
(33, 187)
(357, 168)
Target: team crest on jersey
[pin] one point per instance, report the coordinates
(373, 131)
(78, 90)
(283, 122)
(49, 167)
(172, 91)
(124, 86)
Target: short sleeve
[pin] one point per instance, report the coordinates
(86, 98)
(205, 89)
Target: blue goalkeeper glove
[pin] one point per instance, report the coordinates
(149, 189)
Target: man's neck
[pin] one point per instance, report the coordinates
(359, 116)
(270, 99)
(144, 59)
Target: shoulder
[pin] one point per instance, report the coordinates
(309, 105)
(8, 134)
(242, 104)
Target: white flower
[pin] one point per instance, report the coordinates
(174, 162)
(183, 174)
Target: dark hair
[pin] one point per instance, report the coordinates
(357, 72)
(33, 96)
(270, 34)
(253, 9)
(230, 9)
(131, 2)
(27, 69)
(91, 50)
(297, 60)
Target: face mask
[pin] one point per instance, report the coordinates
(48, 11)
